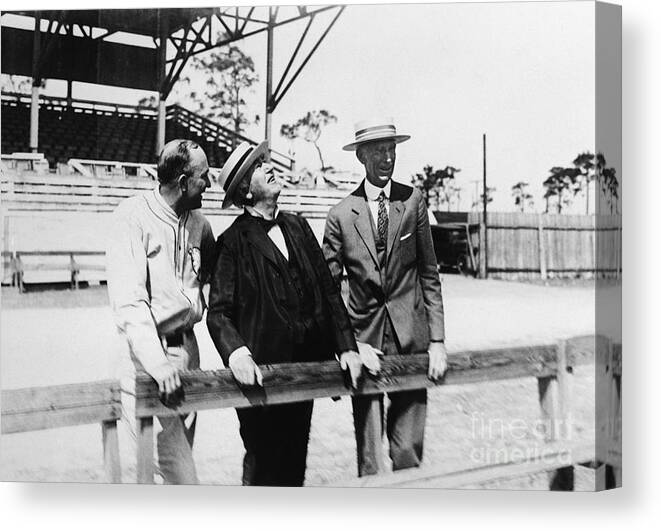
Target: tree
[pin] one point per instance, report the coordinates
(19, 84)
(586, 165)
(565, 183)
(437, 186)
(522, 197)
(229, 74)
(309, 128)
(149, 101)
(610, 188)
(478, 204)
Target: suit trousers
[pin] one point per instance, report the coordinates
(276, 441)
(405, 425)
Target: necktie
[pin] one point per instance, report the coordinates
(382, 223)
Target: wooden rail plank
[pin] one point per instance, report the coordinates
(58, 418)
(40, 408)
(303, 381)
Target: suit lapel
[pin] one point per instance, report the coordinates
(395, 215)
(363, 223)
(257, 237)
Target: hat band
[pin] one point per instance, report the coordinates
(375, 132)
(239, 163)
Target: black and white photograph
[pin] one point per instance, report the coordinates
(374, 246)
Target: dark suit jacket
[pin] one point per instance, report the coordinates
(248, 302)
(409, 289)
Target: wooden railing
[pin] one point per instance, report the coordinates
(552, 365)
(222, 135)
(41, 408)
(78, 105)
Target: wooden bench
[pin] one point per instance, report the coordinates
(73, 266)
(40, 408)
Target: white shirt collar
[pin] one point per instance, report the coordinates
(372, 192)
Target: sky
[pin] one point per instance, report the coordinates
(521, 73)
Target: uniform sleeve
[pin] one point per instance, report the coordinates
(126, 263)
(332, 247)
(428, 273)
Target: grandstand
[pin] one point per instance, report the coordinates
(82, 129)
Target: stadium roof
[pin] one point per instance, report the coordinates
(137, 21)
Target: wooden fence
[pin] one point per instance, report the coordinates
(550, 245)
(40, 408)
(519, 245)
(551, 365)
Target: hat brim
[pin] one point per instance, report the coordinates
(258, 151)
(397, 138)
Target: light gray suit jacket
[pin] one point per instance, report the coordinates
(408, 290)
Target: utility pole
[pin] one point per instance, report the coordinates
(484, 262)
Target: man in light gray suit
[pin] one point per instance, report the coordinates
(380, 235)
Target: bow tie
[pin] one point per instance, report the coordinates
(267, 224)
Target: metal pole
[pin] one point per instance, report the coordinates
(269, 79)
(162, 95)
(485, 191)
(36, 84)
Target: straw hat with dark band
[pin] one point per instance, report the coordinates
(236, 167)
(371, 130)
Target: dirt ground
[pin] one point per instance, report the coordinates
(55, 337)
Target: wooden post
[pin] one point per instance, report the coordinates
(111, 460)
(547, 388)
(74, 271)
(615, 453)
(542, 248)
(374, 434)
(564, 419)
(554, 400)
(145, 440)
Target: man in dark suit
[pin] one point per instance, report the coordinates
(273, 300)
(380, 235)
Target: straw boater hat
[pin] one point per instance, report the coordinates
(370, 130)
(236, 167)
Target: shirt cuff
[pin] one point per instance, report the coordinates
(240, 352)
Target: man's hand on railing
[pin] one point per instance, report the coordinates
(350, 361)
(369, 356)
(438, 360)
(166, 376)
(243, 367)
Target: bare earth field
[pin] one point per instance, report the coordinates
(59, 337)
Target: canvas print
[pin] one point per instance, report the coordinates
(341, 246)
